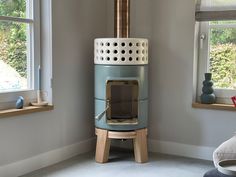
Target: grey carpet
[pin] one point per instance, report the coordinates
(121, 164)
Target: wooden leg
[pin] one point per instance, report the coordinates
(103, 146)
(140, 146)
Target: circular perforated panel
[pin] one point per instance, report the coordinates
(121, 51)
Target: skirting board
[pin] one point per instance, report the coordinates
(185, 150)
(173, 148)
(58, 155)
(46, 159)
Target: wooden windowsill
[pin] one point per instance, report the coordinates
(226, 107)
(25, 110)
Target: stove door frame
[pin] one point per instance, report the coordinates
(135, 101)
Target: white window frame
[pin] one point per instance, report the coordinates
(8, 98)
(222, 95)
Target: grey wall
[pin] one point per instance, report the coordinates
(75, 25)
(170, 27)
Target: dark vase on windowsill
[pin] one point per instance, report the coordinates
(208, 96)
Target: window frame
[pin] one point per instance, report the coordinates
(222, 95)
(7, 98)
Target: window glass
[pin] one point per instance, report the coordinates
(222, 3)
(13, 8)
(212, 5)
(13, 56)
(222, 56)
(226, 22)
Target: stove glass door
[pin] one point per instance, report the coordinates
(122, 102)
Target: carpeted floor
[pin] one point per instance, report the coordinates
(121, 164)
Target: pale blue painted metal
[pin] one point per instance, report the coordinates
(142, 117)
(104, 73)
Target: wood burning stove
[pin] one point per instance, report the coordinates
(121, 87)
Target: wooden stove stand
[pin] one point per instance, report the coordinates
(104, 140)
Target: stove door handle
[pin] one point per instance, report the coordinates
(99, 116)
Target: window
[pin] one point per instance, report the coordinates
(19, 49)
(217, 46)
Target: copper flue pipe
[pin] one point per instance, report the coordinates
(122, 18)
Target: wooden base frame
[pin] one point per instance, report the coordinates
(104, 140)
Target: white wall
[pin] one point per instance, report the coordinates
(172, 118)
(75, 25)
(169, 25)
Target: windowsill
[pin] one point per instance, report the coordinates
(225, 107)
(25, 110)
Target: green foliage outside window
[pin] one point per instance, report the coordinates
(223, 65)
(223, 36)
(13, 36)
(14, 8)
(223, 57)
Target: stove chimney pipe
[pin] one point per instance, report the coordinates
(122, 18)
